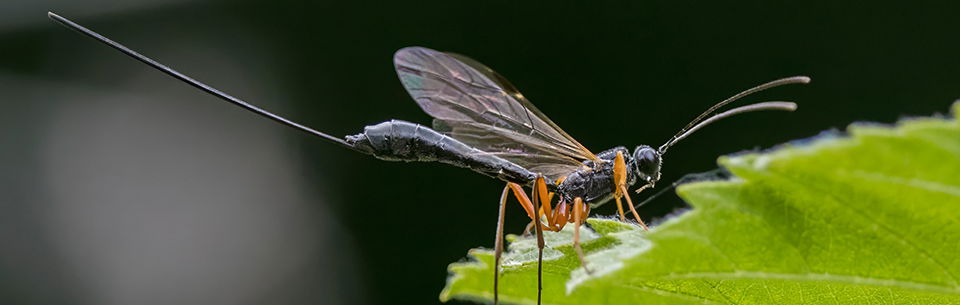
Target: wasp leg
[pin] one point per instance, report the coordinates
(620, 209)
(498, 244)
(528, 229)
(557, 218)
(528, 206)
(533, 211)
(540, 243)
(545, 198)
(578, 217)
(620, 182)
(522, 197)
(561, 215)
(633, 209)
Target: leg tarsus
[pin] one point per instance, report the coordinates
(578, 210)
(634, 210)
(540, 242)
(498, 245)
(540, 205)
(528, 230)
(620, 209)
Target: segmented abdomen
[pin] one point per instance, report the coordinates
(397, 140)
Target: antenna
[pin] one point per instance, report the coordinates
(697, 124)
(195, 83)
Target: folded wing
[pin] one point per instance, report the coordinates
(472, 103)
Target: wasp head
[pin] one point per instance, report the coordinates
(647, 164)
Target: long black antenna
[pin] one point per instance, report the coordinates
(211, 90)
(696, 123)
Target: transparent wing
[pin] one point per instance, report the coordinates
(472, 103)
(531, 153)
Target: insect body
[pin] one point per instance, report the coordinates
(397, 140)
(483, 123)
(595, 183)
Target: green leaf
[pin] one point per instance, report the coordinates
(868, 218)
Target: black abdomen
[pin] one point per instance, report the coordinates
(397, 140)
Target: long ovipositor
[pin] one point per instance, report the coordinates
(397, 140)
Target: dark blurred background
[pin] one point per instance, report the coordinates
(121, 185)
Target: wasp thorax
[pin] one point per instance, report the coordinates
(648, 164)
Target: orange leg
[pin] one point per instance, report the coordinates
(620, 209)
(556, 219)
(619, 179)
(545, 198)
(533, 209)
(528, 205)
(620, 183)
(578, 217)
(562, 215)
(522, 197)
(634, 210)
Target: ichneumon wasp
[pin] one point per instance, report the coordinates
(483, 123)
